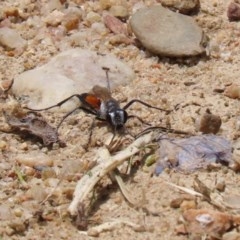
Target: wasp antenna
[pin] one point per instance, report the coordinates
(106, 69)
(164, 130)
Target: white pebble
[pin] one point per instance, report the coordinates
(10, 38)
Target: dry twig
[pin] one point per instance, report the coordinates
(107, 164)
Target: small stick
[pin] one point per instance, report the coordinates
(88, 181)
(110, 226)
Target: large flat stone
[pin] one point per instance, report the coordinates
(167, 33)
(70, 72)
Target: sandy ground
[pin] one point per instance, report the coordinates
(159, 81)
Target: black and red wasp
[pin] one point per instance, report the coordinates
(100, 103)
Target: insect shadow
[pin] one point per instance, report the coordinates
(100, 103)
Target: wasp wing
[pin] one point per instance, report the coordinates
(102, 93)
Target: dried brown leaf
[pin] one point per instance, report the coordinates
(35, 125)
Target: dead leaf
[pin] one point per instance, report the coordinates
(33, 124)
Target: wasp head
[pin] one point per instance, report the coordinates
(117, 118)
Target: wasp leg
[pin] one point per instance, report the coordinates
(129, 133)
(114, 135)
(68, 114)
(162, 129)
(79, 96)
(140, 120)
(145, 104)
(90, 134)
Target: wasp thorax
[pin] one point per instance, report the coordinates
(117, 118)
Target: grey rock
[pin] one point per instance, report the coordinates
(119, 11)
(209, 123)
(183, 6)
(167, 33)
(11, 39)
(74, 71)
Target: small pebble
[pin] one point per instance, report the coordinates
(18, 225)
(119, 11)
(93, 17)
(35, 160)
(120, 39)
(50, 6)
(28, 171)
(225, 170)
(182, 6)
(35, 147)
(9, 231)
(24, 146)
(3, 145)
(71, 21)
(233, 235)
(18, 212)
(5, 85)
(37, 192)
(11, 39)
(5, 212)
(48, 173)
(209, 123)
(11, 12)
(175, 203)
(93, 232)
(54, 18)
(220, 186)
(105, 4)
(115, 25)
(188, 204)
(51, 182)
(233, 11)
(100, 28)
(232, 91)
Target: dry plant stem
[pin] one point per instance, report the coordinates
(115, 175)
(217, 202)
(184, 189)
(87, 182)
(109, 226)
